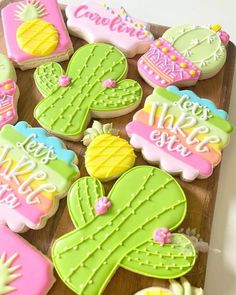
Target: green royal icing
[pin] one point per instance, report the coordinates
(143, 199)
(65, 111)
(201, 45)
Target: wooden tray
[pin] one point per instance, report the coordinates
(201, 194)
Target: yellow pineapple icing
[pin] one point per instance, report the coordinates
(37, 37)
(108, 156)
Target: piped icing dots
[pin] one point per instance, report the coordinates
(180, 131)
(143, 199)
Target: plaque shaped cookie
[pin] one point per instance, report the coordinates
(181, 132)
(94, 22)
(35, 172)
(23, 269)
(130, 228)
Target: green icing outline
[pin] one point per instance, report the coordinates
(65, 111)
(134, 200)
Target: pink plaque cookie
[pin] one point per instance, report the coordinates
(100, 23)
(35, 32)
(23, 269)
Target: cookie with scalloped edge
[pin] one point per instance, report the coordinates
(36, 170)
(93, 86)
(131, 228)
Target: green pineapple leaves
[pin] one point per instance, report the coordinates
(143, 200)
(65, 111)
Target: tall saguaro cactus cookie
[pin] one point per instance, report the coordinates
(142, 208)
(183, 55)
(91, 87)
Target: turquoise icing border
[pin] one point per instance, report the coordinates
(67, 156)
(202, 101)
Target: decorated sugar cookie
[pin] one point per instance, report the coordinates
(107, 155)
(95, 22)
(131, 227)
(93, 86)
(35, 172)
(183, 55)
(180, 131)
(35, 32)
(176, 288)
(9, 92)
(23, 269)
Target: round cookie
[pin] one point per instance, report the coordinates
(181, 132)
(183, 55)
(35, 172)
(143, 200)
(107, 155)
(95, 88)
(9, 92)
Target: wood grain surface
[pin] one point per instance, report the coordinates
(201, 194)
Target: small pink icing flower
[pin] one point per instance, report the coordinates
(162, 236)
(109, 83)
(224, 37)
(7, 88)
(64, 81)
(102, 205)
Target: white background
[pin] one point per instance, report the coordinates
(221, 271)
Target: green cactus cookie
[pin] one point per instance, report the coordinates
(203, 46)
(143, 201)
(93, 86)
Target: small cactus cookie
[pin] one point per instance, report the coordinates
(35, 32)
(181, 132)
(176, 288)
(123, 230)
(9, 92)
(107, 155)
(183, 55)
(35, 172)
(95, 23)
(23, 269)
(93, 86)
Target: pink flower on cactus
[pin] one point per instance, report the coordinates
(7, 88)
(102, 205)
(109, 83)
(224, 37)
(162, 236)
(64, 81)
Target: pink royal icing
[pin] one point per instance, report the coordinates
(96, 23)
(102, 205)
(64, 81)
(32, 273)
(162, 65)
(162, 236)
(109, 83)
(10, 24)
(224, 37)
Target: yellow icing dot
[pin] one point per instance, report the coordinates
(192, 72)
(158, 43)
(216, 27)
(173, 57)
(165, 49)
(8, 86)
(108, 156)
(183, 65)
(158, 292)
(37, 37)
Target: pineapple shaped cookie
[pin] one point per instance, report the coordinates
(93, 86)
(130, 228)
(35, 32)
(183, 55)
(9, 92)
(107, 155)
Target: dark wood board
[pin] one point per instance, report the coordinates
(201, 194)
